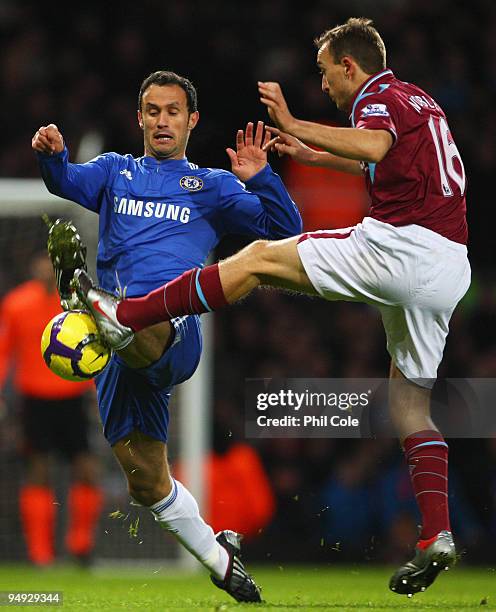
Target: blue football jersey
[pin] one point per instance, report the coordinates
(159, 218)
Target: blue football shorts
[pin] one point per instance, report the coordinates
(131, 398)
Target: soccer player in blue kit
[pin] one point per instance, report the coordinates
(160, 215)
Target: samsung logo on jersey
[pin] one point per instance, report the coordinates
(159, 210)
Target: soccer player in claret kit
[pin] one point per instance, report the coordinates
(408, 257)
(160, 215)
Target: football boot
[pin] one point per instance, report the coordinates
(237, 582)
(423, 569)
(67, 253)
(103, 306)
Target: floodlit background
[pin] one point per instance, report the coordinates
(80, 65)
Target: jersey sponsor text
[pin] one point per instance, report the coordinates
(159, 210)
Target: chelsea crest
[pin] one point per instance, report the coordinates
(191, 183)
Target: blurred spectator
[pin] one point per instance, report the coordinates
(239, 492)
(349, 495)
(53, 415)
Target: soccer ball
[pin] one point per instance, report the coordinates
(71, 346)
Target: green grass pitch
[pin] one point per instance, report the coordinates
(284, 588)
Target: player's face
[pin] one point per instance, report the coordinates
(166, 121)
(335, 78)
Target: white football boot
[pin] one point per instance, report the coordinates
(237, 582)
(103, 306)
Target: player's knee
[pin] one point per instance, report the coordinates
(148, 485)
(148, 491)
(257, 249)
(259, 256)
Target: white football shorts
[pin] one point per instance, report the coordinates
(415, 277)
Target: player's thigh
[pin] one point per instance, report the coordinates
(341, 264)
(130, 399)
(281, 266)
(416, 338)
(143, 459)
(273, 262)
(148, 345)
(416, 329)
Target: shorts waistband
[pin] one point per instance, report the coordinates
(418, 232)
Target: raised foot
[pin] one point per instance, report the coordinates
(67, 253)
(103, 306)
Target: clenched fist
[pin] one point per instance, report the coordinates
(48, 140)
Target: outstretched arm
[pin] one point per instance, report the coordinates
(284, 144)
(82, 183)
(351, 143)
(264, 208)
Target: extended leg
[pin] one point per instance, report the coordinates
(196, 291)
(272, 263)
(68, 253)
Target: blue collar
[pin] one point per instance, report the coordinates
(163, 164)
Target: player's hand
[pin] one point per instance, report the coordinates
(48, 140)
(284, 144)
(250, 156)
(271, 95)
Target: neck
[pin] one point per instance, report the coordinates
(177, 156)
(360, 80)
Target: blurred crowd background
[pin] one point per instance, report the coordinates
(80, 66)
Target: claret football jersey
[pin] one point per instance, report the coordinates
(421, 180)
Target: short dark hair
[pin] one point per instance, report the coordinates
(166, 77)
(359, 39)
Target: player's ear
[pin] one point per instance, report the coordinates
(347, 64)
(140, 120)
(193, 120)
